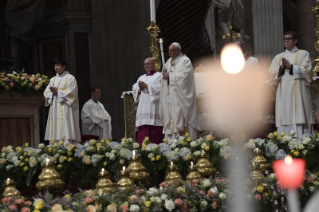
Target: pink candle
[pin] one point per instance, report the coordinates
(290, 172)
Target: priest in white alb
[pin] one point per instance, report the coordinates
(146, 91)
(62, 96)
(95, 119)
(178, 106)
(292, 70)
(251, 63)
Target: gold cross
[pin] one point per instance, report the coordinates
(231, 35)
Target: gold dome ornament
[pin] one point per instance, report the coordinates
(205, 167)
(125, 183)
(193, 173)
(49, 179)
(136, 169)
(10, 188)
(104, 184)
(173, 177)
(260, 160)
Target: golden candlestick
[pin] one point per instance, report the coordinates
(260, 160)
(137, 170)
(125, 183)
(316, 61)
(255, 174)
(104, 183)
(205, 167)
(10, 188)
(173, 177)
(154, 30)
(193, 173)
(49, 179)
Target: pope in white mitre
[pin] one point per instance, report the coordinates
(95, 119)
(292, 71)
(62, 96)
(178, 106)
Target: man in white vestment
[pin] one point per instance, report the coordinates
(146, 91)
(95, 119)
(292, 70)
(62, 96)
(178, 105)
(251, 63)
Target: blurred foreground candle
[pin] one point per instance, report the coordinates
(290, 174)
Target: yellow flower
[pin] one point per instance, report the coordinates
(50, 149)
(70, 159)
(207, 148)
(260, 189)
(146, 138)
(108, 141)
(69, 153)
(182, 141)
(59, 166)
(158, 157)
(54, 150)
(296, 153)
(278, 137)
(60, 143)
(75, 150)
(36, 210)
(67, 196)
(98, 144)
(153, 159)
(165, 140)
(26, 160)
(282, 133)
(146, 209)
(186, 134)
(101, 156)
(265, 194)
(38, 205)
(187, 157)
(102, 140)
(147, 204)
(105, 163)
(271, 135)
(188, 139)
(18, 149)
(292, 151)
(25, 168)
(21, 164)
(275, 133)
(26, 144)
(52, 141)
(25, 154)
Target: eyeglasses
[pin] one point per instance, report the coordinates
(172, 50)
(289, 39)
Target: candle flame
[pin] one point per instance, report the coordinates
(161, 40)
(103, 169)
(133, 153)
(288, 160)
(123, 168)
(232, 59)
(192, 163)
(47, 160)
(171, 163)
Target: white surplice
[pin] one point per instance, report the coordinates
(96, 120)
(63, 118)
(293, 104)
(178, 104)
(252, 64)
(148, 106)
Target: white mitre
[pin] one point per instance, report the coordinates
(177, 45)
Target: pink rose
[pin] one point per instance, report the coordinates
(258, 197)
(89, 199)
(202, 192)
(6, 79)
(19, 201)
(214, 205)
(13, 207)
(211, 193)
(13, 77)
(184, 208)
(11, 84)
(6, 200)
(28, 203)
(140, 191)
(164, 184)
(195, 181)
(124, 208)
(25, 209)
(178, 202)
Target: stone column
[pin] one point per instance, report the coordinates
(267, 27)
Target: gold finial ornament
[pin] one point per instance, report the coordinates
(260, 160)
(10, 188)
(316, 61)
(154, 30)
(193, 173)
(256, 174)
(136, 169)
(205, 167)
(49, 179)
(173, 177)
(104, 183)
(231, 35)
(125, 183)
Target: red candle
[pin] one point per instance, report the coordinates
(290, 172)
